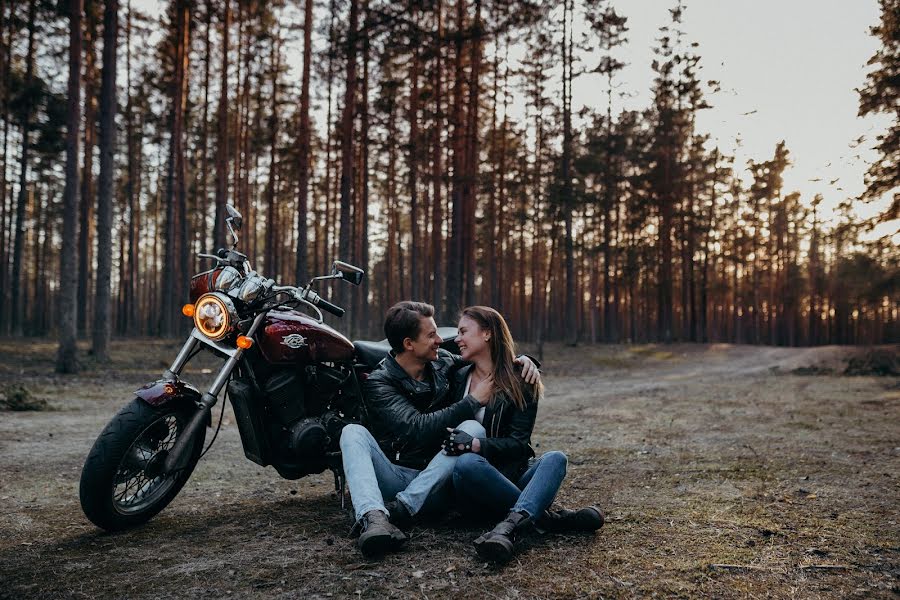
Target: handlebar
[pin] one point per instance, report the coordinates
(312, 298)
(325, 305)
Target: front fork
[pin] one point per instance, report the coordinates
(178, 452)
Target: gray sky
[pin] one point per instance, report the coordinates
(795, 62)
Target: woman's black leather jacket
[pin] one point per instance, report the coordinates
(508, 443)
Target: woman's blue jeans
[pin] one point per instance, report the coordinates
(483, 490)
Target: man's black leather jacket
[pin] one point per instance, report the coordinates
(409, 418)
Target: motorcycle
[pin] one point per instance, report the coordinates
(293, 383)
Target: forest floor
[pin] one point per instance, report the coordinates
(722, 473)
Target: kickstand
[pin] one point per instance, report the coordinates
(340, 486)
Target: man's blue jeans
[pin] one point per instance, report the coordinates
(374, 479)
(482, 490)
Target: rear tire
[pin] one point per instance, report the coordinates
(120, 485)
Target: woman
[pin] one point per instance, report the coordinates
(492, 474)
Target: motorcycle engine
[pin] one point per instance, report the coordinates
(285, 392)
(307, 442)
(306, 407)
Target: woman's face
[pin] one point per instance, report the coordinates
(471, 339)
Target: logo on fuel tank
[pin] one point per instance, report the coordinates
(295, 340)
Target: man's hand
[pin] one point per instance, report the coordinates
(459, 442)
(484, 390)
(530, 372)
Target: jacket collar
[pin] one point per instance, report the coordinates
(399, 375)
(459, 381)
(435, 373)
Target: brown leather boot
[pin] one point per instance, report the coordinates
(378, 536)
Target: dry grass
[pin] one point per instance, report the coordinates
(720, 476)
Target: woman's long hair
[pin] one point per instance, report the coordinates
(503, 354)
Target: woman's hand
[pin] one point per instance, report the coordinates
(530, 372)
(459, 442)
(484, 390)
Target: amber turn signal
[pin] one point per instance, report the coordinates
(244, 342)
(187, 310)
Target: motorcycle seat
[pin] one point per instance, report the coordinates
(371, 353)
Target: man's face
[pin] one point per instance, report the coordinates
(424, 348)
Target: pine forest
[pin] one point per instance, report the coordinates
(439, 145)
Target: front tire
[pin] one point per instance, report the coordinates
(121, 483)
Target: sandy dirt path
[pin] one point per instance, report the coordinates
(723, 475)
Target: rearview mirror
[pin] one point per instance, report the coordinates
(348, 272)
(235, 217)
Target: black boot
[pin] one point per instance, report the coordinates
(498, 545)
(399, 515)
(378, 535)
(565, 520)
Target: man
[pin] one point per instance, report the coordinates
(410, 409)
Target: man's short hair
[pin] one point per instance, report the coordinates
(403, 320)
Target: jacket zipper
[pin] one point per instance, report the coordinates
(496, 421)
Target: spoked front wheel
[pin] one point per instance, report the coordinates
(122, 483)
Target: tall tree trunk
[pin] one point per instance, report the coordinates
(571, 323)
(814, 304)
(324, 239)
(609, 199)
(238, 118)
(222, 136)
(106, 193)
(664, 297)
(500, 237)
(201, 213)
(456, 248)
(86, 207)
(180, 283)
(303, 151)
(44, 306)
(392, 233)
(347, 119)
(40, 200)
(437, 218)
(132, 195)
(415, 60)
(490, 230)
(362, 316)
(709, 226)
(6, 211)
(174, 176)
(471, 168)
(272, 224)
(18, 314)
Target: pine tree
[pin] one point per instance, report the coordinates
(66, 361)
(882, 95)
(303, 150)
(347, 135)
(106, 193)
(17, 313)
(174, 199)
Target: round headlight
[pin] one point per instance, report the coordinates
(214, 315)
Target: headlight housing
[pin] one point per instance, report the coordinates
(215, 315)
(227, 278)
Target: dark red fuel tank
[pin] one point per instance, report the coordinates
(291, 337)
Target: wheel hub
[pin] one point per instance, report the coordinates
(155, 465)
